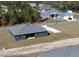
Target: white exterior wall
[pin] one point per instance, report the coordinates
(69, 16)
(66, 17)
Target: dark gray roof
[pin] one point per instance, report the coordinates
(49, 12)
(70, 51)
(26, 29)
(52, 11)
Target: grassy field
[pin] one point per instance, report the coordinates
(7, 41)
(56, 20)
(68, 31)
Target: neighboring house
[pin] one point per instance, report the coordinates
(53, 13)
(47, 12)
(26, 31)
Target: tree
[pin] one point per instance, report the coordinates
(18, 12)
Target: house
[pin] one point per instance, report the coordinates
(27, 31)
(52, 13)
(47, 12)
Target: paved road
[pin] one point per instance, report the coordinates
(72, 51)
(39, 47)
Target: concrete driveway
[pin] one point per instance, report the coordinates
(50, 29)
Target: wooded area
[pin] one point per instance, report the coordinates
(22, 12)
(18, 12)
(62, 5)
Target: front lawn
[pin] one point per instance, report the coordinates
(68, 31)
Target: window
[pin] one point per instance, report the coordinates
(56, 15)
(23, 36)
(17, 38)
(31, 35)
(36, 34)
(42, 34)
